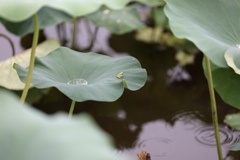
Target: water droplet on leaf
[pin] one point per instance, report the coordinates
(78, 81)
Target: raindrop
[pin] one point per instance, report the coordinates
(189, 119)
(122, 115)
(206, 136)
(132, 127)
(78, 81)
(118, 21)
(106, 11)
(238, 45)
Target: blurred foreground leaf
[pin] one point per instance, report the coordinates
(151, 3)
(27, 134)
(20, 10)
(47, 17)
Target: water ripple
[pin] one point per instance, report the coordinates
(205, 135)
(189, 119)
(159, 147)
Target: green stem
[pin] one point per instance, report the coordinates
(74, 32)
(213, 106)
(71, 109)
(70, 113)
(32, 59)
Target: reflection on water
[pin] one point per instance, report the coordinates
(6, 50)
(180, 142)
(171, 121)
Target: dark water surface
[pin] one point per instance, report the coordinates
(170, 117)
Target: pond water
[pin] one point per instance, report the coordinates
(170, 117)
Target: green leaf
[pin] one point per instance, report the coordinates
(27, 134)
(151, 3)
(212, 25)
(226, 83)
(235, 147)
(86, 76)
(47, 17)
(9, 78)
(117, 21)
(21, 10)
(159, 17)
(233, 120)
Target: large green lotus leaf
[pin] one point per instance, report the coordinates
(86, 76)
(47, 17)
(117, 21)
(211, 24)
(21, 10)
(9, 78)
(233, 120)
(27, 134)
(151, 3)
(226, 83)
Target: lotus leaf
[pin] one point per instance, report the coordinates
(226, 83)
(47, 17)
(117, 21)
(21, 10)
(28, 134)
(86, 76)
(151, 3)
(212, 25)
(9, 77)
(233, 120)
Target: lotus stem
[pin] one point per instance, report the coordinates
(74, 32)
(10, 42)
(32, 59)
(70, 113)
(71, 109)
(213, 107)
